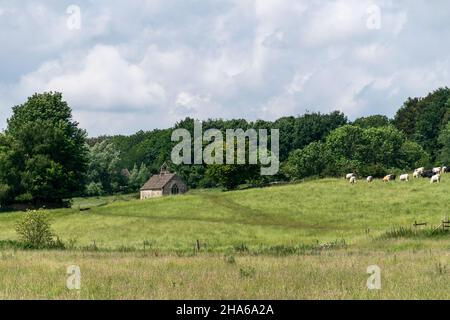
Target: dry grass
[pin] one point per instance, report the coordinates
(329, 275)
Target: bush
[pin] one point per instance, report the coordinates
(313, 160)
(374, 170)
(34, 230)
(24, 198)
(241, 248)
(94, 189)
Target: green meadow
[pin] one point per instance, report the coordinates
(311, 240)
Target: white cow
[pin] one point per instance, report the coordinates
(353, 180)
(369, 179)
(349, 176)
(404, 177)
(436, 178)
(416, 174)
(437, 170)
(444, 170)
(420, 170)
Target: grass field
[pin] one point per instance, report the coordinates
(312, 240)
(329, 275)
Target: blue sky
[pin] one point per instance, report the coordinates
(137, 64)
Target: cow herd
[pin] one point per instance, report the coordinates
(434, 175)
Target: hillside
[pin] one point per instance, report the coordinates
(313, 240)
(261, 220)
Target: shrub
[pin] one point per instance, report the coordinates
(410, 233)
(241, 248)
(94, 189)
(34, 230)
(24, 198)
(374, 170)
(313, 160)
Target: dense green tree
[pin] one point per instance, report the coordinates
(10, 182)
(374, 121)
(153, 148)
(104, 168)
(94, 189)
(296, 133)
(4, 194)
(346, 142)
(412, 156)
(313, 160)
(287, 144)
(383, 146)
(230, 176)
(138, 176)
(373, 151)
(406, 118)
(133, 181)
(194, 175)
(422, 119)
(43, 151)
(444, 141)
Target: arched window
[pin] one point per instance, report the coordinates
(175, 189)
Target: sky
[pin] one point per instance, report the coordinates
(125, 66)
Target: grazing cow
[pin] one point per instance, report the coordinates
(349, 176)
(444, 170)
(416, 174)
(369, 179)
(437, 170)
(436, 178)
(353, 180)
(389, 177)
(420, 170)
(404, 177)
(427, 174)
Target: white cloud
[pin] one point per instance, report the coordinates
(145, 64)
(298, 83)
(197, 106)
(103, 79)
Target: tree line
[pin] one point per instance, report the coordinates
(46, 158)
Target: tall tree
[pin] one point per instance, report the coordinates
(374, 121)
(422, 119)
(372, 151)
(138, 176)
(104, 167)
(444, 141)
(44, 150)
